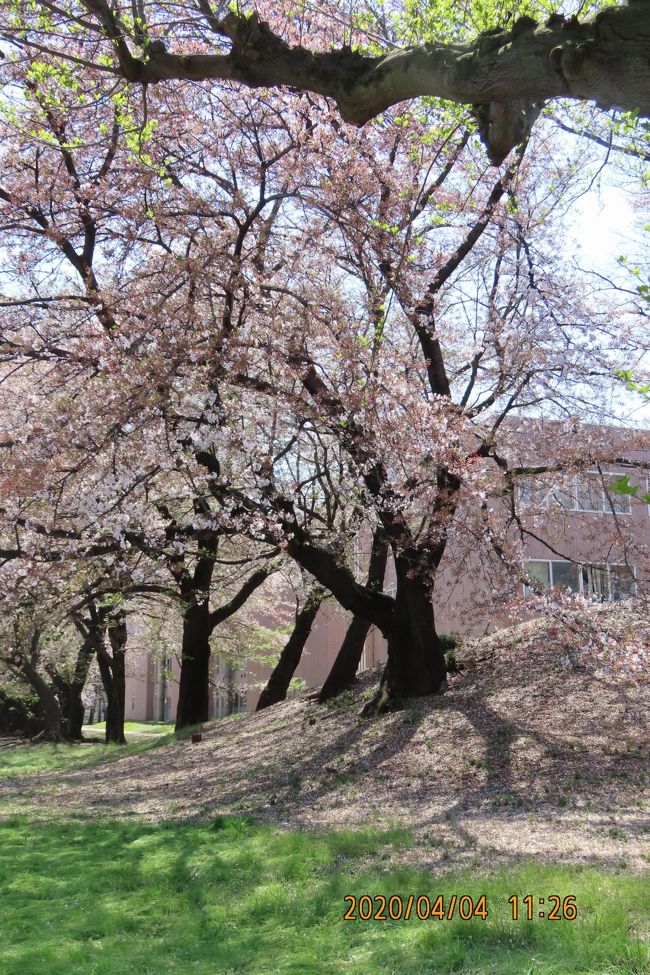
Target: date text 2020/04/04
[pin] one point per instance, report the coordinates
(377, 907)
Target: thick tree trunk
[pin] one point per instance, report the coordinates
(69, 692)
(194, 688)
(198, 624)
(113, 673)
(115, 706)
(75, 713)
(416, 662)
(52, 729)
(278, 683)
(117, 634)
(76, 707)
(344, 670)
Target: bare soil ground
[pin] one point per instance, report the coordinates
(538, 748)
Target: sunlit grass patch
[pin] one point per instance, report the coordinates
(136, 727)
(26, 759)
(230, 896)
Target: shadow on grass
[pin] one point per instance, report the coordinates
(107, 897)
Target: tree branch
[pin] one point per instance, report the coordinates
(511, 72)
(253, 582)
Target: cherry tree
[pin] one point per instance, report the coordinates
(416, 378)
(37, 642)
(264, 323)
(93, 360)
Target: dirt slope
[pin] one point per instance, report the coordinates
(538, 747)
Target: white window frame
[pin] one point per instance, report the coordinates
(571, 493)
(581, 566)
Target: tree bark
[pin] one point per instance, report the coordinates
(278, 683)
(344, 669)
(70, 692)
(52, 729)
(25, 664)
(343, 673)
(112, 669)
(198, 625)
(116, 686)
(416, 661)
(194, 685)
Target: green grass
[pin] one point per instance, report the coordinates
(136, 727)
(106, 898)
(27, 759)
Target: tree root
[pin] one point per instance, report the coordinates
(380, 702)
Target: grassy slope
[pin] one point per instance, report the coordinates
(79, 898)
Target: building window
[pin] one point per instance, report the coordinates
(239, 703)
(590, 492)
(554, 574)
(622, 582)
(620, 503)
(609, 583)
(532, 495)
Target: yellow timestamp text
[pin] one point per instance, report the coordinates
(422, 907)
(549, 908)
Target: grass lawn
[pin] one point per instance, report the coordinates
(28, 759)
(230, 896)
(136, 727)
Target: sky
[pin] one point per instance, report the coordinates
(605, 225)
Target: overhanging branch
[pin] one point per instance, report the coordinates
(509, 73)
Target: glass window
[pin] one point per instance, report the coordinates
(564, 495)
(622, 583)
(540, 571)
(566, 574)
(589, 492)
(621, 503)
(594, 580)
(532, 494)
(609, 583)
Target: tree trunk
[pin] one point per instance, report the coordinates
(117, 634)
(198, 624)
(416, 662)
(344, 669)
(194, 689)
(75, 715)
(76, 707)
(69, 692)
(113, 673)
(52, 729)
(278, 683)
